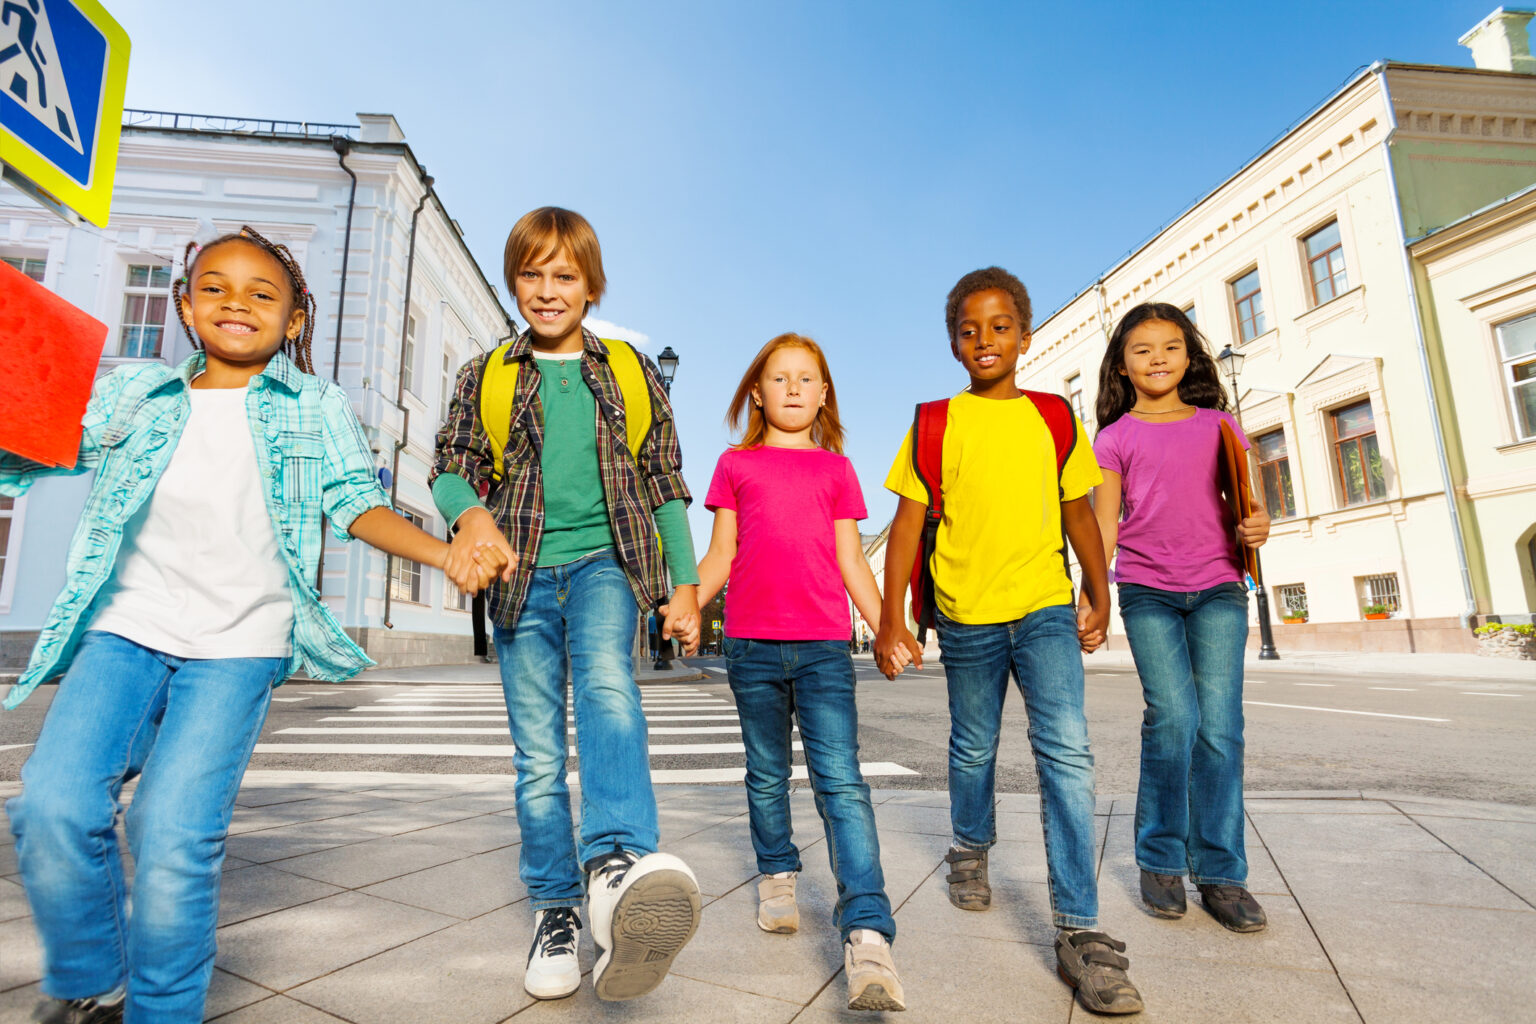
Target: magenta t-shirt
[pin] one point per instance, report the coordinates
(1176, 532)
(785, 583)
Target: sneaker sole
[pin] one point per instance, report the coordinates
(974, 905)
(1061, 972)
(1163, 912)
(875, 997)
(551, 994)
(652, 922)
(784, 926)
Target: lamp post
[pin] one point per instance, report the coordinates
(666, 362)
(1232, 363)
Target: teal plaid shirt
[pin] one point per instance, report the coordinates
(313, 459)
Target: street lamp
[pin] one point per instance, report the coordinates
(1232, 364)
(667, 362)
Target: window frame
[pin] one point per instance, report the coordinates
(1074, 395)
(1507, 366)
(1283, 475)
(10, 550)
(1338, 280)
(1258, 320)
(23, 259)
(408, 353)
(1358, 440)
(404, 572)
(146, 293)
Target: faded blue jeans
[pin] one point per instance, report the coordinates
(579, 619)
(1189, 654)
(1041, 652)
(186, 727)
(813, 682)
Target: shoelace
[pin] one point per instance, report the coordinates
(614, 869)
(557, 932)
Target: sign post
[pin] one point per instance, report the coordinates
(63, 72)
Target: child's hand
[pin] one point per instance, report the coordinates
(681, 618)
(478, 533)
(1091, 624)
(1254, 530)
(895, 649)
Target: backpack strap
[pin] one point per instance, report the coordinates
(1062, 424)
(928, 422)
(498, 391)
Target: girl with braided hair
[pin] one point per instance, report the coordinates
(188, 599)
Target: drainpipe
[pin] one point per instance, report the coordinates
(342, 145)
(405, 413)
(1379, 69)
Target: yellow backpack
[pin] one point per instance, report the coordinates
(498, 386)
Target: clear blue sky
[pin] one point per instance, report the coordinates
(824, 167)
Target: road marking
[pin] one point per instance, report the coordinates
(1314, 684)
(14, 746)
(682, 775)
(477, 749)
(380, 730)
(1479, 693)
(1345, 711)
(502, 718)
(289, 700)
(717, 671)
(320, 693)
(1398, 689)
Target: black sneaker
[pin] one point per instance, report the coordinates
(1233, 907)
(1091, 963)
(79, 1011)
(1163, 894)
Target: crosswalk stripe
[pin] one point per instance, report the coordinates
(502, 718)
(664, 776)
(664, 730)
(478, 749)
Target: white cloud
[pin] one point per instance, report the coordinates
(605, 329)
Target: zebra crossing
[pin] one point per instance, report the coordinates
(458, 720)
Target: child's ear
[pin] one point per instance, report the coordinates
(184, 308)
(757, 396)
(1025, 337)
(295, 325)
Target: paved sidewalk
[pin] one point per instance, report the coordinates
(394, 898)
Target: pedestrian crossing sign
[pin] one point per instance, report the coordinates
(63, 72)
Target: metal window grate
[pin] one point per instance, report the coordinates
(1292, 600)
(1382, 589)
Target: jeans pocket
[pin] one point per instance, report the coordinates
(734, 648)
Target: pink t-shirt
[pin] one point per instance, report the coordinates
(785, 583)
(1176, 532)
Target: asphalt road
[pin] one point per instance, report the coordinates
(1462, 738)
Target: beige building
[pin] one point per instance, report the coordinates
(1376, 266)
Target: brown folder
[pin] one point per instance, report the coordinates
(1239, 491)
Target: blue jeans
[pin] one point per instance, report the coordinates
(1042, 653)
(1189, 654)
(579, 620)
(812, 681)
(187, 728)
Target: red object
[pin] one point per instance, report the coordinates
(49, 350)
(1239, 490)
(928, 424)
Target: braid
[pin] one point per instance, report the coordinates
(296, 349)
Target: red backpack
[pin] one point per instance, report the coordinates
(928, 424)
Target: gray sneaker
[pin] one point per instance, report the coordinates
(776, 909)
(872, 981)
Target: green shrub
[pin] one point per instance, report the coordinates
(1376, 609)
(1524, 629)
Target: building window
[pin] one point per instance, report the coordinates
(1248, 300)
(1517, 349)
(33, 268)
(408, 355)
(1356, 455)
(1074, 389)
(1378, 594)
(447, 386)
(1275, 474)
(1325, 264)
(453, 597)
(7, 513)
(146, 298)
(1291, 599)
(1189, 311)
(404, 574)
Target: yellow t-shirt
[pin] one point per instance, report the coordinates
(999, 553)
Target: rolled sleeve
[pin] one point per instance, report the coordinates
(350, 486)
(18, 473)
(463, 448)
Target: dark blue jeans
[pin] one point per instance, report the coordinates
(1189, 653)
(1041, 652)
(811, 681)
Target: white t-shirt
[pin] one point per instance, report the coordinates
(199, 574)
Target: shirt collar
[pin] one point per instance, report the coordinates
(522, 348)
(279, 370)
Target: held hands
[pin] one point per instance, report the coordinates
(895, 649)
(1091, 624)
(479, 553)
(1254, 530)
(681, 618)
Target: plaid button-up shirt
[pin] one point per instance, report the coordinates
(312, 456)
(634, 486)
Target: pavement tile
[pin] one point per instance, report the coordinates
(289, 947)
(262, 796)
(1272, 805)
(907, 860)
(365, 863)
(1180, 991)
(278, 1010)
(1501, 848)
(472, 835)
(679, 822)
(1443, 877)
(470, 973)
(295, 841)
(1297, 839)
(395, 818)
(720, 856)
(1020, 912)
(260, 889)
(21, 958)
(8, 859)
(1464, 809)
(13, 900)
(17, 1004)
(461, 888)
(915, 798)
(932, 821)
(677, 1000)
(227, 993)
(483, 800)
(1434, 1001)
(256, 819)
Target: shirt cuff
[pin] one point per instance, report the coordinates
(677, 543)
(453, 496)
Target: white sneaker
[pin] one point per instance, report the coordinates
(776, 910)
(644, 910)
(553, 971)
(872, 981)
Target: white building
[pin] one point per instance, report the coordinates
(1386, 350)
(401, 305)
